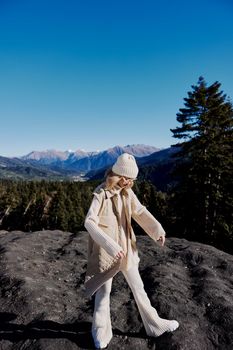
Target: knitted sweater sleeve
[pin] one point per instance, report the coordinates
(145, 219)
(97, 234)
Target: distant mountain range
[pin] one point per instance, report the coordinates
(154, 164)
(81, 161)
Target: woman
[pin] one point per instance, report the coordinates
(112, 248)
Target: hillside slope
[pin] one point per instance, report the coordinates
(43, 305)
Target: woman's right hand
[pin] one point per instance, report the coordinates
(120, 254)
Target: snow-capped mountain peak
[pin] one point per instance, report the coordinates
(81, 160)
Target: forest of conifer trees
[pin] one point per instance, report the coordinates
(38, 205)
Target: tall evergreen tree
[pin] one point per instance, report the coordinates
(203, 195)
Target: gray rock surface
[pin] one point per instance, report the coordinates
(43, 305)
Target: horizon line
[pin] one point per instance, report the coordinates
(81, 149)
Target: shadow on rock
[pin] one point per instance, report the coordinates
(78, 333)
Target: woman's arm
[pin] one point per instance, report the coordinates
(97, 234)
(146, 220)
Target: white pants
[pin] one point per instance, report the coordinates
(154, 325)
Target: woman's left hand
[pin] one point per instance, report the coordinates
(162, 240)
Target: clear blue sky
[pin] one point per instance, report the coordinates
(94, 74)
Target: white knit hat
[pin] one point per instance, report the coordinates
(126, 166)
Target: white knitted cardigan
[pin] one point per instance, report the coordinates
(141, 215)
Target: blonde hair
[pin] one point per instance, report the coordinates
(111, 179)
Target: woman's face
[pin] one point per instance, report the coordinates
(124, 181)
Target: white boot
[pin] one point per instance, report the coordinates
(162, 325)
(102, 336)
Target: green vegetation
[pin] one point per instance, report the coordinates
(37, 205)
(201, 200)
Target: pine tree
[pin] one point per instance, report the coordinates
(203, 194)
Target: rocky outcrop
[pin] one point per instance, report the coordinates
(43, 304)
